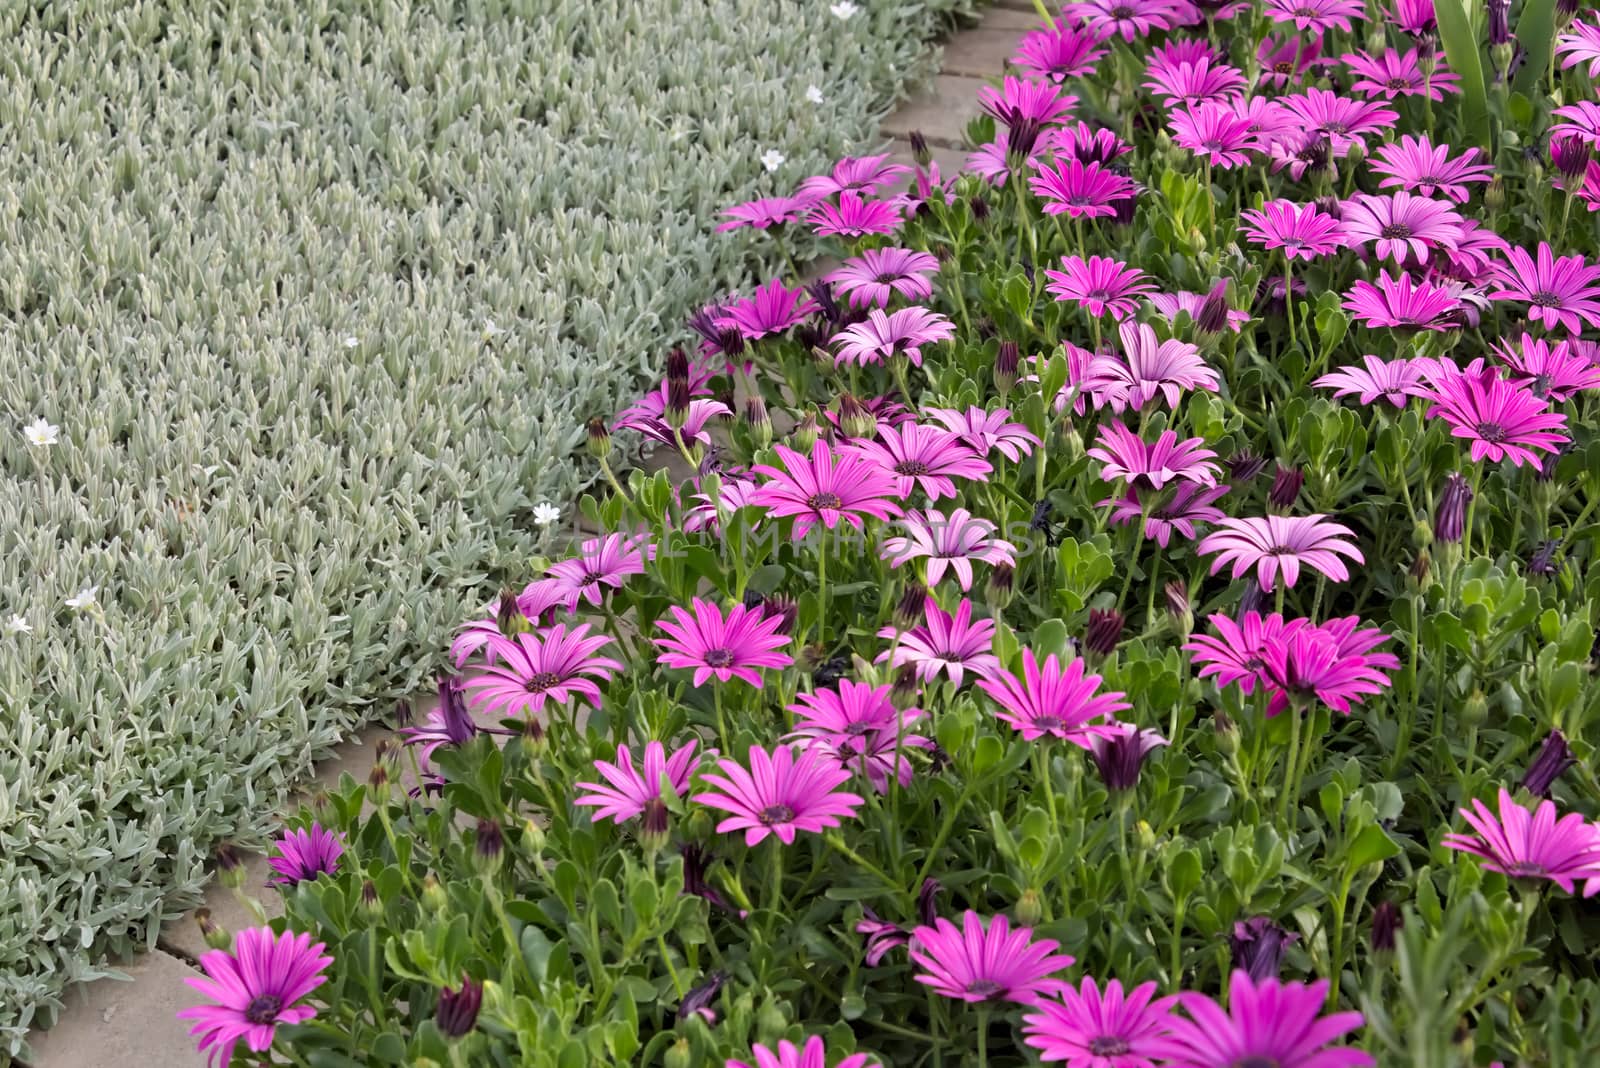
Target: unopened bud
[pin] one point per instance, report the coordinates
(1105, 631)
(1001, 586)
(679, 1055)
(599, 439)
(1286, 485)
(1386, 923)
(1007, 366)
(854, 420)
(757, 420)
(1030, 908)
(1227, 732)
(910, 609)
(216, 936)
(229, 866)
(1177, 602)
(1475, 710)
(434, 898)
(1494, 194)
(370, 901)
(805, 434)
(919, 149)
(903, 694)
(653, 824)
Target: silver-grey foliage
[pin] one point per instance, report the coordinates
(200, 201)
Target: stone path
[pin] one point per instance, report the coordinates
(129, 1023)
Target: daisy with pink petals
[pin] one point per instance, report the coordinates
(826, 487)
(1330, 664)
(764, 213)
(788, 1055)
(1559, 292)
(1317, 15)
(1215, 133)
(1148, 368)
(1177, 50)
(984, 962)
(1058, 52)
(1286, 61)
(1415, 18)
(1091, 1029)
(1345, 122)
(1088, 144)
(1417, 165)
(735, 646)
(853, 216)
(1177, 512)
(1583, 121)
(1099, 284)
(1193, 83)
(1404, 228)
(885, 335)
(1502, 420)
(1266, 1023)
(630, 791)
(930, 457)
(1556, 371)
(878, 274)
(955, 542)
(1170, 304)
(1396, 381)
(1579, 45)
(944, 643)
(986, 431)
(861, 175)
(1400, 303)
(1302, 231)
(602, 562)
(649, 417)
(772, 309)
(1130, 18)
(1238, 653)
(780, 794)
(1393, 73)
(256, 986)
(554, 665)
(707, 512)
(1026, 105)
(536, 605)
(1054, 701)
(1079, 190)
(1532, 845)
(302, 854)
(1151, 465)
(858, 726)
(1279, 546)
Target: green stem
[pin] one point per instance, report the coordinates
(983, 1037)
(1284, 801)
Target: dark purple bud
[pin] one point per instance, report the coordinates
(882, 936)
(1023, 135)
(227, 858)
(909, 610)
(1000, 587)
(1213, 317)
(457, 1013)
(1122, 211)
(730, 340)
(1387, 921)
(1548, 462)
(402, 714)
(1543, 561)
(822, 293)
(784, 608)
(1554, 758)
(697, 1002)
(1253, 599)
(1286, 485)
(1028, 271)
(1420, 567)
(1176, 596)
(1007, 367)
(919, 149)
(1245, 465)
(980, 208)
(854, 419)
(1330, 206)
(1567, 8)
(1258, 946)
(1105, 631)
(704, 323)
(928, 901)
(1450, 518)
(599, 438)
(508, 616)
(1569, 156)
(907, 687)
(490, 842)
(677, 365)
(1499, 21)
(677, 401)
(1120, 756)
(697, 861)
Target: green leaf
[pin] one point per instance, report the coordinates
(1536, 31)
(1370, 847)
(1460, 42)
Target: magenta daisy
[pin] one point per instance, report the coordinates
(1053, 701)
(1396, 381)
(535, 606)
(858, 726)
(1130, 18)
(1026, 106)
(918, 455)
(1151, 465)
(1503, 420)
(1090, 1029)
(649, 417)
(446, 722)
(1147, 368)
(1556, 371)
(303, 854)
(1401, 303)
(1193, 83)
(1286, 61)
(944, 643)
(1268, 119)
(1238, 653)
(1176, 512)
(826, 487)
(555, 665)
(1417, 165)
(763, 213)
(1393, 73)
(885, 335)
(788, 1055)
(1216, 133)
(1473, 259)
(604, 561)
(1414, 17)
(1532, 845)
(1100, 284)
(1079, 190)
(709, 513)
(1579, 45)
(1277, 545)
(735, 646)
(1173, 51)
(954, 542)
(1170, 304)
(1345, 122)
(992, 162)
(853, 216)
(859, 174)
(781, 794)
(1303, 231)
(1266, 1023)
(879, 273)
(1559, 292)
(771, 310)
(630, 791)
(1583, 121)
(1089, 144)
(987, 432)
(981, 962)
(1332, 663)
(1316, 15)
(256, 988)
(1058, 53)
(1405, 228)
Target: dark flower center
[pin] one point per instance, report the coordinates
(821, 501)
(1540, 385)
(776, 814)
(911, 467)
(1253, 1061)
(1336, 127)
(1048, 723)
(1109, 1046)
(1306, 12)
(1282, 67)
(1397, 83)
(1395, 231)
(1525, 869)
(856, 730)
(541, 682)
(1546, 299)
(984, 988)
(589, 578)
(888, 276)
(1122, 11)
(1493, 433)
(718, 658)
(263, 1008)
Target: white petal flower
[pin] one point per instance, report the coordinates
(545, 513)
(18, 625)
(84, 598)
(772, 159)
(351, 342)
(41, 433)
(490, 330)
(814, 94)
(844, 9)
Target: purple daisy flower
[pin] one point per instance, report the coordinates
(1317, 15)
(1532, 845)
(1238, 653)
(1417, 165)
(1147, 368)
(1502, 420)
(1100, 284)
(954, 541)
(1054, 700)
(825, 487)
(859, 726)
(1079, 190)
(303, 854)
(1393, 73)
(885, 335)
(1559, 292)
(1396, 381)
(1193, 83)
(1403, 227)
(853, 216)
(1302, 231)
(1343, 121)
(944, 643)
(1266, 1022)
(256, 988)
(735, 646)
(1058, 53)
(878, 274)
(1216, 133)
(930, 457)
(780, 794)
(763, 213)
(1151, 465)
(1177, 512)
(553, 665)
(1279, 545)
(1583, 121)
(1286, 61)
(1090, 1029)
(986, 431)
(1170, 304)
(853, 174)
(981, 962)
(1556, 371)
(1130, 18)
(604, 561)
(630, 791)
(1401, 303)
(773, 309)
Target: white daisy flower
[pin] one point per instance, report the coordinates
(18, 625)
(84, 599)
(545, 513)
(41, 433)
(844, 9)
(814, 94)
(772, 159)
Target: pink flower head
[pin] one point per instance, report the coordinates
(1279, 544)
(1583, 121)
(1268, 119)
(954, 542)
(1058, 53)
(1579, 45)
(987, 432)
(708, 512)
(256, 988)
(1177, 50)
(1473, 259)
(763, 213)
(536, 604)
(1148, 368)
(1317, 15)
(303, 854)
(1332, 663)
(1556, 371)
(1078, 190)
(771, 310)
(885, 335)
(854, 217)
(1343, 121)
(1088, 1029)
(603, 561)
(878, 273)
(1238, 653)
(1401, 303)
(1053, 701)
(1288, 60)
(1269, 1022)
(814, 1055)
(1193, 83)
(1085, 143)
(1559, 292)
(1414, 17)
(732, 647)
(1503, 420)
(1303, 231)
(629, 791)
(861, 174)
(1100, 284)
(945, 643)
(649, 417)
(1396, 381)
(554, 664)
(1178, 511)
(780, 794)
(858, 726)
(1533, 845)
(1170, 304)
(1417, 165)
(1393, 73)
(1130, 18)
(1405, 228)
(992, 162)
(1214, 132)
(825, 487)
(1151, 465)
(1026, 105)
(981, 962)
(918, 455)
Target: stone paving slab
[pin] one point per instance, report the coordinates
(940, 110)
(950, 160)
(113, 1023)
(981, 52)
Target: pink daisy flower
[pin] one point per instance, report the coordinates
(1088, 1029)
(1269, 1022)
(732, 647)
(885, 335)
(303, 854)
(1148, 368)
(1188, 504)
(1331, 663)
(1396, 381)
(1193, 83)
(771, 310)
(630, 791)
(1170, 304)
(1288, 60)
(1088, 144)
(604, 561)
(1588, 190)
(1473, 258)
(1559, 292)
(1151, 465)
(954, 542)
(992, 162)
(256, 988)
(1238, 653)
(825, 487)
(1414, 17)
(1058, 53)
(1583, 121)
(1503, 420)
(944, 643)
(708, 512)
(1345, 122)
(555, 665)
(1532, 845)
(447, 722)
(1100, 284)
(1303, 231)
(1268, 119)
(535, 605)
(1393, 73)
(1556, 371)
(763, 213)
(649, 417)
(1026, 105)
(781, 794)
(1130, 18)
(1214, 132)
(1053, 701)
(814, 1055)
(1403, 227)
(879, 273)
(918, 455)
(1277, 545)
(1401, 303)
(1579, 45)
(854, 217)
(982, 962)
(987, 432)
(1317, 15)
(860, 174)
(1173, 51)
(1079, 189)
(1417, 165)
(858, 726)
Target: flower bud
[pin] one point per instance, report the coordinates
(677, 365)
(1007, 364)
(784, 608)
(1499, 24)
(1227, 733)
(1258, 945)
(1145, 834)
(679, 1055)
(1000, 586)
(1569, 156)
(1213, 315)
(1417, 573)
(928, 901)
(804, 435)
(697, 1002)
(979, 206)
(1104, 632)
(756, 418)
(854, 420)
(1177, 603)
(676, 413)
(906, 689)
(770, 1022)
(912, 606)
(653, 824)
(229, 867)
(1494, 194)
(919, 149)
(216, 936)
(532, 837)
(1030, 908)
(822, 292)
(434, 898)
(1543, 562)
(370, 902)
(1286, 483)
(1475, 710)
(1387, 921)
(1253, 599)
(488, 846)
(457, 1012)
(599, 439)
(1244, 465)
(1553, 759)
(1450, 517)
